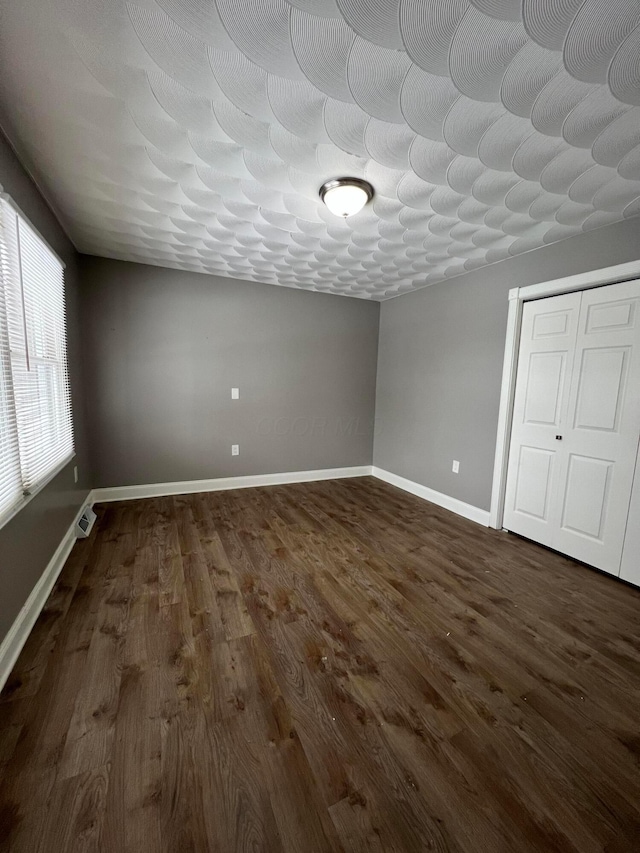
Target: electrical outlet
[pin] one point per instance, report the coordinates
(75, 474)
(235, 393)
(456, 466)
(235, 450)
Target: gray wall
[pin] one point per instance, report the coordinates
(29, 540)
(163, 348)
(440, 363)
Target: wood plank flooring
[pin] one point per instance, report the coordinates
(333, 666)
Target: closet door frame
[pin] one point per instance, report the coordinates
(517, 297)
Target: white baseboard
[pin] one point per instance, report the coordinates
(480, 516)
(18, 633)
(188, 487)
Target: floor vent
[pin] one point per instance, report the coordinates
(85, 523)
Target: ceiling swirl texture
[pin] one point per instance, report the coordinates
(195, 134)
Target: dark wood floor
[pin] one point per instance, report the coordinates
(333, 666)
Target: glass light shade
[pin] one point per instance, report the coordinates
(346, 196)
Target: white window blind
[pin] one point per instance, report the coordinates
(36, 431)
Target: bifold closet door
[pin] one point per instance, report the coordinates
(547, 346)
(576, 423)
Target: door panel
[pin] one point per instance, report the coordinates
(544, 388)
(611, 315)
(601, 385)
(550, 324)
(535, 478)
(586, 496)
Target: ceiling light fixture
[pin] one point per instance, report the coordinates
(346, 196)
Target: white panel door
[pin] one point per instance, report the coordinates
(600, 436)
(547, 346)
(582, 507)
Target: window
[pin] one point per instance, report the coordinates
(36, 431)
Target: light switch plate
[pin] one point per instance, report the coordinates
(235, 393)
(456, 466)
(235, 450)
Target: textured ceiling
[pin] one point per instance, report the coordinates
(196, 133)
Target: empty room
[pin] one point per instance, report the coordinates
(319, 426)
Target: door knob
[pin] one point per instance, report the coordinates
(558, 438)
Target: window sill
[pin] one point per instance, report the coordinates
(16, 508)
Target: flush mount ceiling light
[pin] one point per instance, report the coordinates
(346, 196)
